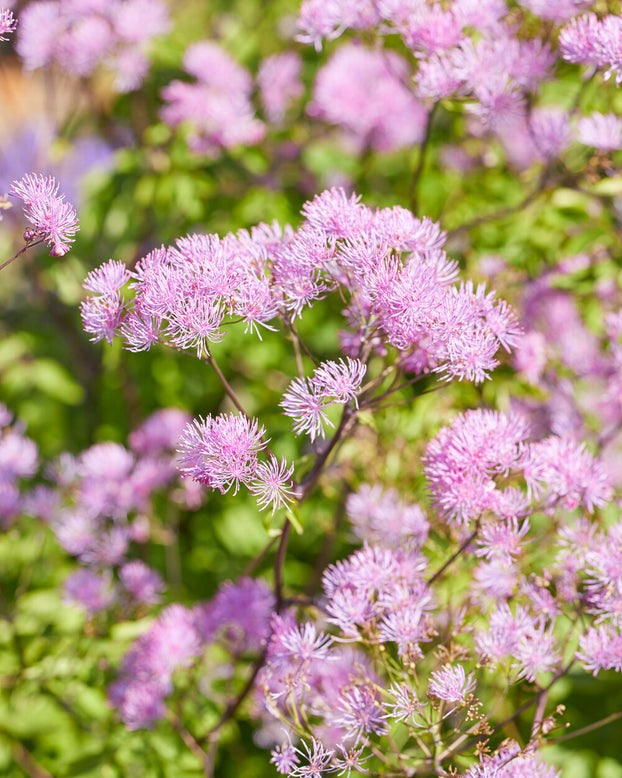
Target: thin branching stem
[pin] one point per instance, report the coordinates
(589, 728)
(503, 212)
(278, 564)
(20, 252)
(309, 481)
(226, 385)
(416, 177)
(455, 555)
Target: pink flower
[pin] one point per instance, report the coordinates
(340, 380)
(307, 399)
(53, 219)
(142, 583)
(305, 405)
(222, 451)
(536, 653)
(550, 130)
(557, 11)
(375, 109)
(91, 591)
(103, 316)
(602, 131)
(327, 19)
(8, 23)
(81, 36)
(160, 432)
(217, 106)
(601, 649)
(299, 643)
(279, 83)
(406, 704)
(273, 484)
(108, 278)
(361, 713)
(452, 684)
(284, 758)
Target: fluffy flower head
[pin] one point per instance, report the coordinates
(54, 220)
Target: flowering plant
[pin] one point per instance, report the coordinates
(327, 480)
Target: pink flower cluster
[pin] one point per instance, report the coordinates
(589, 40)
(18, 460)
(80, 35)
(221, 452)
(217, 105)
(183, 294)
(379, 516)
(467, 461)
(307, 399)
(237, 619)
(103, 501)
(465, 51)
(279, 83)
(376, 109)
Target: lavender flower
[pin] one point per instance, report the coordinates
(376, 110)
(550, 130)
(102, 317)
(451, 684)
(510, 762)
(108, 278)
(217, 107)
(361, 713)
(81, 37)
(461, 462)
(53, 219)
(406, 704)
(307, 399)
(279, 83)
(238, 617)
(566, 472)
(352, 758)
(160, 432)
(284, 758)
(319, 19)
(578, 39)
(588, 40)
(379, 516)
(340, 380)
(91, 591)
(18, 455)
(536, 653)
(335, 213)
(142, 583)
(221, 452)
(171, 642)
(273, 484)
(300, 644)
(603, 131)
(557, 11)
(601, 649)
(317, 760)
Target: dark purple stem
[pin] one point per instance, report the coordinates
(20, 252)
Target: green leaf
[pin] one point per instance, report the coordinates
(293, 514)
